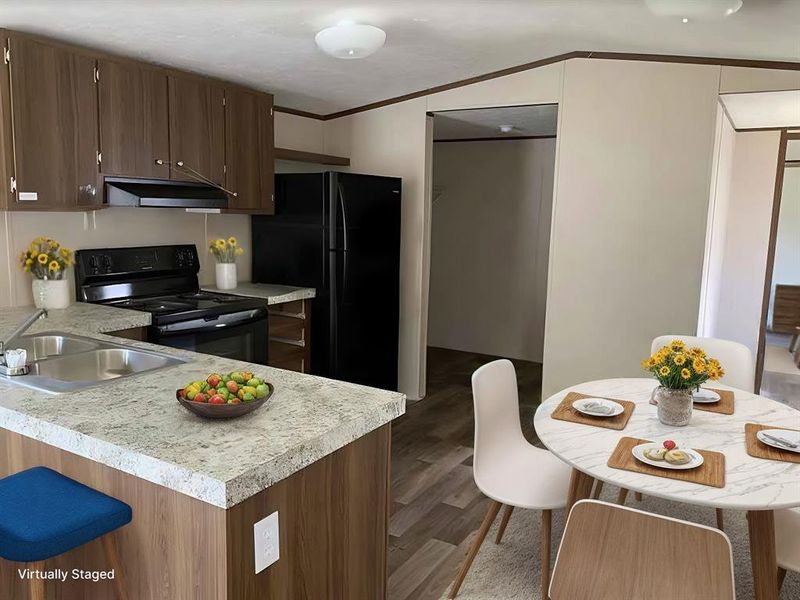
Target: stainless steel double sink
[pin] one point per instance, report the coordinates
(63, 362)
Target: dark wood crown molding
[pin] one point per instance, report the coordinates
(510, 138)
(665, 58)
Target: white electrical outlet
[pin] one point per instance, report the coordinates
(266, 535)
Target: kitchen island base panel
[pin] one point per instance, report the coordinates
(333, 531)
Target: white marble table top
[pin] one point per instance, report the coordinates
(750, 483)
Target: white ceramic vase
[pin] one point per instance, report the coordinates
(50, 293)
(226, 276)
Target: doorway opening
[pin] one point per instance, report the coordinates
(492, 194)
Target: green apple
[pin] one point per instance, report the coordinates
(248, 397)
(262, 391)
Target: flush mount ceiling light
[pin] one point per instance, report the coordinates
(506, 128)
(350, 40)
(701, 10)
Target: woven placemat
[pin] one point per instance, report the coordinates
(723, 407)
(565, 412)
(711, 472)
(759, 449)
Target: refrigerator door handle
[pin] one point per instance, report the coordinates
(344, 241)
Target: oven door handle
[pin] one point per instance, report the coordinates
(223, 321)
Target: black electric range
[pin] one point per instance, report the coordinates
(162, 280)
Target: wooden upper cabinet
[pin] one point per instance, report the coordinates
(197, 128)
(248, 150)
(134, 120)
(54, 123)
(266, 127)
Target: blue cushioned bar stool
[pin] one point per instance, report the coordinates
(44, 514)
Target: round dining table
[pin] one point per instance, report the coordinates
(755, 485)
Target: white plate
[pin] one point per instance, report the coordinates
(790, 436)
(581, 406)
(704, 396)
(638, 453)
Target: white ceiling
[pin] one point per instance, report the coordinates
(270, 44)
(763, 109)
(538, 120)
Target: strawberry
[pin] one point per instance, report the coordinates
(669, 444)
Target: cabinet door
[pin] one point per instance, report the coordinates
(242, 149)
(266, 127)
(134, 125)
(54, 114)
(197, 128)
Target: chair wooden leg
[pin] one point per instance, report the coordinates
(491, 514)
(781, 577)
(720, 520)
(623, 494)
(638, 496)
(110, 549)
(36, 585)
(546, 521)
(598, 489)
(503, 523)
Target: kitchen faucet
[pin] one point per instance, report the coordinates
(19, 330)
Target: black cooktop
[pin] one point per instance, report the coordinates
(183, 307)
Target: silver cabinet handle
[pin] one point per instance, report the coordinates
(298, 343)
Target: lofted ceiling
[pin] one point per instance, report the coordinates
(270, 44)
(536, 120)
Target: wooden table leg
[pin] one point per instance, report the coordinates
(580, 487)
(761, 525)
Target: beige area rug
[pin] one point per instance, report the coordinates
(511, 570)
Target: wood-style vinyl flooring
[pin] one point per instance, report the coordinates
(435, 503)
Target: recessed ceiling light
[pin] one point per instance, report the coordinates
(684, 20)
(350, 40)
(506, 128)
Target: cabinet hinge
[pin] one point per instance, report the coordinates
(224, 103)
(99, 158)
(7, 55)
(224, 168)
(96, 74)
(270, 112)
(13, 185)
(273, 198)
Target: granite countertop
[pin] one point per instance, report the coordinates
(273, 294)
(143, 431)
(78, 318)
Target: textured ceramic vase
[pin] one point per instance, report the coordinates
(226, 276)
(674, 406)
(50, 293)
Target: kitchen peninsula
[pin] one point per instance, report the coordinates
(317, 453)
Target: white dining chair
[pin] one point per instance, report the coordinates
(506, 468)
(787, 542)
(735, 358)
(611, 551)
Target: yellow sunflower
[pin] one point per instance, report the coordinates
(697, 352)
(42, 258)
(686, 373)
(679, 359)
(699, 365)
(54, 266)
(239, 251)
(664, 371)
(220, 244)
(677, 345)
(232, 241)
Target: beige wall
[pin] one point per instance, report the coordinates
(629, 220)
(747, 226)
(490, 239)
(113, 227)
(787, 243)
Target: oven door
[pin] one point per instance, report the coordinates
(240, 336)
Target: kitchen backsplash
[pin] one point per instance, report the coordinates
(113, 227)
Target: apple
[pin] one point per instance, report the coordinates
(237, 377)
(248, 397)
(262, 391)
(214, 380)
(254, 382)
(200, 397)
(191, 391)
(234, 401)
(226, 378)
(216, 399)
(232, 386)
(182, 393)
(669, 444)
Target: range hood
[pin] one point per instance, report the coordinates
(162, 193)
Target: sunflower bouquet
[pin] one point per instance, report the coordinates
(680, 368)
(45, 258)
(225, 251)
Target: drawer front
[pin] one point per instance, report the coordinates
(286, 356)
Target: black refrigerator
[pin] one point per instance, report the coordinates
(339, 233)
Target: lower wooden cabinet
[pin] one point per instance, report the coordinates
(289, 336)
